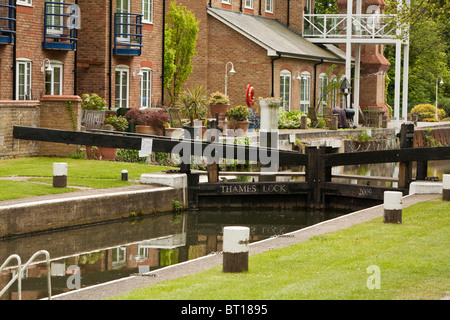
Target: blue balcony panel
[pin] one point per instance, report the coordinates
(58, 35)
(7, 22)
(128, 34)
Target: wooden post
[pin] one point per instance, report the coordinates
(392, 207)
(405, 168)
(213, 168)
(59, 175)
(235, 249)
(446, 187)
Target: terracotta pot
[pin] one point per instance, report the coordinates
(146, 130)
(168, 132)
(243, 125)
(221, 109)
(101, 153)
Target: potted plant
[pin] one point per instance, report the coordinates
(192, 104)
(148, 121)
(238, 117)
(269, 112)
(168, 130)
(218, 103)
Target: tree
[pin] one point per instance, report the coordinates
(429, 31)
(180, 42)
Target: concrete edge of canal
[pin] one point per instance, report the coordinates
(55, 212)
(113, 288)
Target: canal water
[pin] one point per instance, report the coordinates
(116, 250)
(112, 251)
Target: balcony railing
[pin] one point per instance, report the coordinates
(128, 34)
(60, 26)
(7, 21)
(364, 26)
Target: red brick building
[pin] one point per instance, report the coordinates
(117, 50)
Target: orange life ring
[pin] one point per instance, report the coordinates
(250, 96)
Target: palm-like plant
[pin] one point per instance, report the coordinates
(192, 103)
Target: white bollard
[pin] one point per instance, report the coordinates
(393, 207)
(446, 187)
(59, 175)
(235, 249)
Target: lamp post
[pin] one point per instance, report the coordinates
(46, 66)
(345, 89)
(437, 87)
(232, 72)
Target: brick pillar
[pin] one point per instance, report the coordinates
(63, 113)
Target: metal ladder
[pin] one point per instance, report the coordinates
(21, 268)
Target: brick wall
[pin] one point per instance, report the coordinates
(55, 114)
(20, 113)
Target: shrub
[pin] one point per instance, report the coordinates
(118, 122)
(427, 111)
(444, 104)
(148, 117)
(291, 119)
(92, 102)
(239, 113)
(218, 98)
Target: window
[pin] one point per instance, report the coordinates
(308, 7)
(305, 91)
(25, 2)
(323, 99)
(249, 4)
(285, 89)
(226, 1)
(123, 6)
(269, 6)
(54, 79)
(122, 86)
(23, 79)
(146, 88)
(147, 11)
(119, 257)
(334, 92)
(54, 20)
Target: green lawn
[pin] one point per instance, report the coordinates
(413, 259)
(84, 173)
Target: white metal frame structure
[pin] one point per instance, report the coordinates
(370, 28)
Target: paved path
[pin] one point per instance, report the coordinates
(113, 288)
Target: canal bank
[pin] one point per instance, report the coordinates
(64, 211)
(113, 288)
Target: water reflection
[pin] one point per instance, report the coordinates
(113, 251)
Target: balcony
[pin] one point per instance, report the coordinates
(7, 21)
(128, 34)
(366, 28)
(60, 26)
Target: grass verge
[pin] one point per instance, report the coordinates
(84, 173)
(412, 258)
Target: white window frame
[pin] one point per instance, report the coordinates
(53, 82)
(226, 1)
(285, 79)
(147, 4)
(248, 4)
(28, 65)
(28, 3)
(269, 6)
(124, 29)
(146, 72)
(323, 82)
(56, 19)
(305, 91)
(119, 93)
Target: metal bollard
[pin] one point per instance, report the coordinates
(393, 207)
(59, 175)
(124, 175)
(235, 249)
